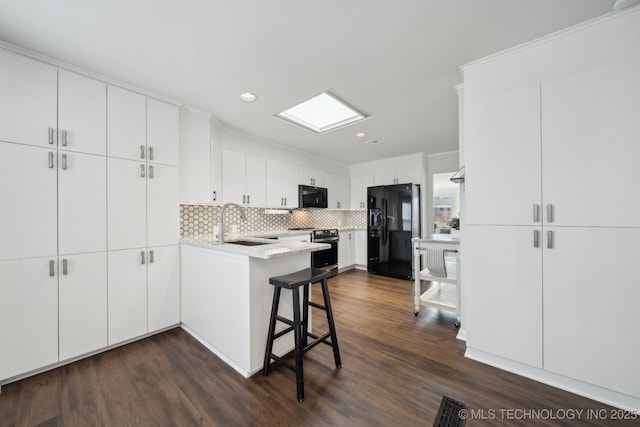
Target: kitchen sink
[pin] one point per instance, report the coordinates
(247, 242)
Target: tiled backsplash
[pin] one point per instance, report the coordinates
(203, 219)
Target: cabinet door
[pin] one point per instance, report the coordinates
(502, 155)
(162, 132)
(163, 207)
(126, 124)
(384, 177)
(195, 157)
(82, 304)
(359, 185)
(591, 306)
(234, 179)
(82, 114)
(409, 176)
(343, 248)
(352, 246)
(290, 185)
(361, 247)
(338, 191)
(274, 182)
(163, 287)
(82, 203)
(127, 294)
(504, 281)
(256, 175)
(590, 147)
(28, 218)
(28, 104)
(28, 315)
(126, 204)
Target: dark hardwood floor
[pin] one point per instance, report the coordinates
(395, 369)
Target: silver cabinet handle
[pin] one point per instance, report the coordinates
(536, 213)
(50, 159)
(64, 161)
(52, 270)
(248, 199)
(215, 195)
(64, 266)
(142, 257)
(285, 201)
(549, 212)
(536, 238)
(150, 171)
(51, 133)
(150, 153)
(141, 171)
(338, 205)
(64, 138)
(142, 151)
(549, 239)
(151, 256)
(244, 199)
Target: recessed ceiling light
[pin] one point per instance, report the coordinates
(360, 135)
(248, 97)
(322, 113)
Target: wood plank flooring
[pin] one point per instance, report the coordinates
(395, 369)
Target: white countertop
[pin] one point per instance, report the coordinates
(438, 238)
(274, 248)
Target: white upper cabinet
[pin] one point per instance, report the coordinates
(338, 191)
(311, 177)
(244, 178)
(82, 203)
(196, 154)
(281, 184)
(502, 155)
(28, 211)
(590, 147)
(82, 114)
(28, 100)
(359, 186)
(126, 124)
(162, 132)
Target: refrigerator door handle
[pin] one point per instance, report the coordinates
(384, 221)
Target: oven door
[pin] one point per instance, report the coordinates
(326, 258)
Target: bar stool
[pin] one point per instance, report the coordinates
(299, 325)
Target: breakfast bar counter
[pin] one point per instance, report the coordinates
(226, 296)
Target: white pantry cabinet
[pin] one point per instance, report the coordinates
(126, 124)
(82, 303)
(28, 315)
(28, 212)
(162, 132)
(28, 104)
(82, 203)
(281, 184)
(163, 287)
(243, 178)
(82, 114)
(551, 236)
(127, 204)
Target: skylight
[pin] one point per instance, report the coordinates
(322, 113)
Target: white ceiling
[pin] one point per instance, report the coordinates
(396, 60)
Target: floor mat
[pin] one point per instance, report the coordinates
(451, 413)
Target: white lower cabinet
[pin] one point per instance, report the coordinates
(83, 303)
(506, 315)
(28, 315)
(163, 287)
(144, 291)
(346, 249)
(127, 275)
(361, 248)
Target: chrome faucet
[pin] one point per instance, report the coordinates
(221, 225)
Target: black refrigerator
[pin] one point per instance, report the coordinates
(394, 219)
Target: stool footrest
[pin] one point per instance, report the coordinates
(283, 362)
(318, 340)
(282, 332)
(316, 305)
(284, 320)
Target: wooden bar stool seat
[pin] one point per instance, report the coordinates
(299, 324)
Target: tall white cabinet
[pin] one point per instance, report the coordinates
(55, 211)
(551, 223)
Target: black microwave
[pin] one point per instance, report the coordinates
(312, 197)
